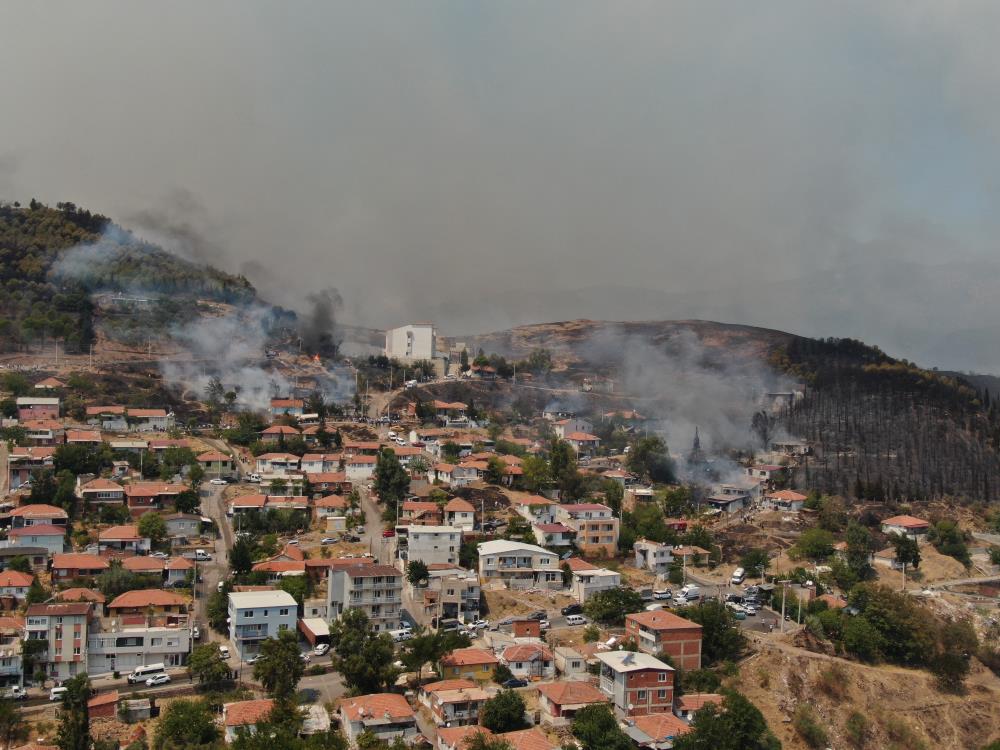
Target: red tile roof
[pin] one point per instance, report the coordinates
(789, 495)
(282, 566)
(376, 705)
(126, 533)
(208, 456)
(244, 713)
(694, 701)
(102, 699)
(180, 563)
(143, 564)
(15, 579)
(78, 561)
(147, 598)
(578, 564)
(526, 652)
(39, 510)
(907, 522)
(430, 687)
(280, 429)
(61, 609)
(661, 727)
(95, 485)
(331, 501)
(572, 692)
(459, 505)
(528, 739)
(464, 657)
(582, 437)
(80, 595)
(457, 737)
(39, 529)
(660, 620)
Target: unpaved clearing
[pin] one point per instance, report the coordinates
(903, 707)
(506, 603)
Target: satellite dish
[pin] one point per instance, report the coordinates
(630, 706)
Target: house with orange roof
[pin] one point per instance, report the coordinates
(455, 702)
(583, 443)
(12, 632)
(245, 716)
(553, 535)
(530, 661)
(456, 738)
(29, 515)
(656, 731)
(100, 491)
(535, 508)
(123, 539)
(80, 595)
(145, 601)
(46, 535)
(43, 431)
(472, 663)
(103, 705)
(360, 466)
(48, 384)
(23, 461)
(278, 432)
(178, 570)
(595, 525)
(317, 463)
(686, 706)
(559, 701)
(329, 506)
(144, 565)
(14, 583)
(142, 497)
(277, 464)
(159, 445)
(788, 501)
(527, 739)
(385, 716)
(904, 525)
(451, 413)
(460, 514)
(420, 512)
(294, 406)
(83, 437)
(330, 481)
(72, 566)
(216, 463)
(568, 425)
(659, 632)
(443, 472)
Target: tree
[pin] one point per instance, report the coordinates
(536, 474)
(187, 501)
(300, 587)
(738, 725)
(207, 665)
(241, 554)
(416, 572)
(483, 741)
(186, 723)
(463, 360)
(495, 469)
(218, 610)
(430, 647)
(815, 544)
(391, 480)
(502, 673)
(153, 526)
(762, 425)
(279, 666)
(20, 563)
(611, 605)
(504, 712)
(650, 458)
(597, 729)
(862, 639)
(754, 562)
(363, 657)
(74, 720)
(11, 723)
(721, 640)
(43, 487)
(860, 546)
(77, 458)
(36, 592)
(907, 550)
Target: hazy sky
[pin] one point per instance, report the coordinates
(453, 159)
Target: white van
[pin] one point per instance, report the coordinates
(576, 620)
(690, 593)
(141, 674)
(403, 634)
(57, 693)
(738, 576)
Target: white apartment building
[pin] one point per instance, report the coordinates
(377, 590)
(432, 544)
(459, 593)
(411, 342)
(586, 583)
(595, 525)
(64, 628)
(257, 615)
(11, 666)
(124, 649)
(519, 565)
(653, 556)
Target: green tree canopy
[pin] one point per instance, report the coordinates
(207, 665)
(504, 712)
(279, 666)
(74, 719)
(363, 657)
(186, 723)
(721, 640)
(611, 605)
(738, 725)
(596, 728)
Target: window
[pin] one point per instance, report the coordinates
(76, 651)
(641, 695)
(283, 611)
(662, 676)
(247, 613)
(661, 694)
(157, 642)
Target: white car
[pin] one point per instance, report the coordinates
(224, 652)
(321, 649)
(304, 657)
(158, 679)
(218, 481)
(481, 624)
(252, 659)
(544, 624)
(160, 555)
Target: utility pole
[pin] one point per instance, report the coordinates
(784, 597)
(904, 577)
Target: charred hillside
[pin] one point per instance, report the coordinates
(53, 259)
(885, 429)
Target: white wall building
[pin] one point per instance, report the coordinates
(653, 556)
(432, 544)
(519, 565)
(375, 589)
(411, 342)
(256, 615)
(125, 649)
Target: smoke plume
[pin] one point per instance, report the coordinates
(318, 324)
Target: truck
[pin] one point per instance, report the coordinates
(690, 593)
(15, 693)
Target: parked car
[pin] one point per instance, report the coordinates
(541, 614)
(572, 609)
(159, 555)
(481, 624)
(544, 624)
(321, 649)
(515, 682)
(252, 659)
(224, 652)
(57, 693)
(158, 679)
(352, 538)
(196, 632)
(662, 594)
(16, 693)
(304, 657)
(218, 481)
(389, 533)
(328, 540)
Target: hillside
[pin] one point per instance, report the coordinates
(53, 259)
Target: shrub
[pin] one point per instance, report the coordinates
(804, 721)
(856, 729)
(832, 682)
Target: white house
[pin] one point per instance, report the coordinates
(564, 427)
(519, 565)
(51, 538)
(586, 583)
(244, 715)
(360, 466)
(123, 649)
(256, 615)
(906, 526)
(530, 661)
(788, 501)
(653, 556)
(384, 715)
(14, 583)
(433, 544)
(461, 514)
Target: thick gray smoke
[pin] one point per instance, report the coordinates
(181, 224)
(683, 385)
(318, 324)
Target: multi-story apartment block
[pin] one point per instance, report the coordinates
(11, 667)
(637, 683)
(595, 525)
(519, 565)
(257, 615)
(432, 544)
(459, 593)
(461, 514)
(377, 590)
(64, 628)
(664, 632)
(535, 509)
(653, 556)
(122, 649)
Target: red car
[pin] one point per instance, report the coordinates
(388, 532)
